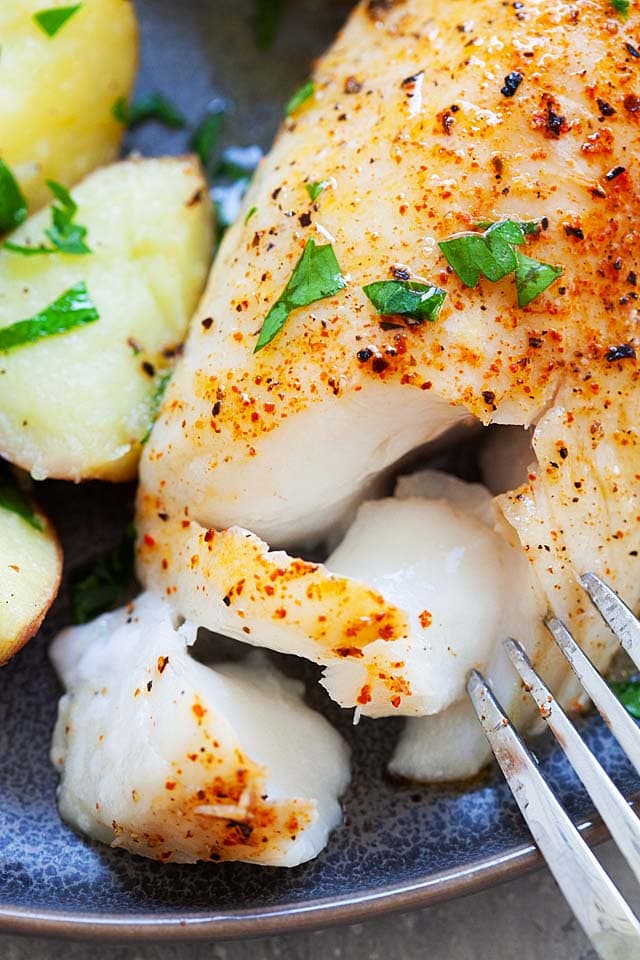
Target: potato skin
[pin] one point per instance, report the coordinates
(57, 92)
(30, 572)
(78, 405)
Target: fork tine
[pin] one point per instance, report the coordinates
(613, 713)
(615, 613)
(599, 907)
(621, 820)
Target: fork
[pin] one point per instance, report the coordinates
(604, 915)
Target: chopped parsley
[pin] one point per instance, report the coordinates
(316, 276)
(315, 188)
(628, 693)
(160, 388)
(252, 212)
(65, 235)
(152, 106)
(53, 19)
(102, 583)
(72, 309)
(621, 7)
(13, 500)
(416, 301)
(533, 278)
(204, 139)
(13, 206)
(300, 97)
(493, 254)
(267, 21)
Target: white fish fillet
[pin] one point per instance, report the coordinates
(181, 762)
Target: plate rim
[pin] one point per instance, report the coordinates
(311, 915)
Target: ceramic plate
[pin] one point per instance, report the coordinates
(400, 846)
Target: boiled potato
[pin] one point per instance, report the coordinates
(79, 405)
(57, 92)
(30, 570)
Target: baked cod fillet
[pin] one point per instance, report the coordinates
(425, 121)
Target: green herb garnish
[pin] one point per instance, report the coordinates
(300, 96)
(65, 235)
(533, 278)
(267, 21)
(252, 212)
(621, 7)
(160, 388)
(491, 254)
(52, 20)
(13, 500)
(13, 206)
(315, 188)
(152, 106)
(73, 309)
(103, 582)
(316, 276)
(628, 693)
(204, 139)
(407, 298)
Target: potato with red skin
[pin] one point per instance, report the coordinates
(30, 571)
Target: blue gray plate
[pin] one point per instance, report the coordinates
(401, 846)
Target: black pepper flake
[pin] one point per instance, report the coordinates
(535, 342)
(149, 686)
(555, 121)
(364, 355)
(215, 409)
(622, 352)
(573, 231)
(352, 85)
(226, 601)
(305, 220)
(206, 323)
(632, 278)
(511, 83)
(489, 398)
(544, 223)
(617, 263)
(148, 368)
(400, 272)
(412, 80)
(564, 453)
(614, 172)
(633, 51)
(605, 108)
(388, 325)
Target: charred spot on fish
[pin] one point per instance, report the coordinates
(305, 219)
(631, 103)
(207, 322)
(575, 232)
(606, 110)
(352, 85)
(489, 398)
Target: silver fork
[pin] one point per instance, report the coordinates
(604, 915)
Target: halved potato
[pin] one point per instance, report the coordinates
(57, 92)
(30, 571)
(78, 405)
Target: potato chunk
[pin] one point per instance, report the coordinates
(58, 91)
(30, 570)
(78, 405)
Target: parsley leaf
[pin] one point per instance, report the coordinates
(52, 20)
(300, 96)
(533, 278)
(408, 298)
(13, 206)
(628, 693)
(13, 500)
(72, 309)
(491, 254)
(161, 384)
(152, 106)
(315, 188)
(102, 583)
(252, 212)
(316, 276)
(206, 135)
(621, 7)
(65, 235)
(267, 20)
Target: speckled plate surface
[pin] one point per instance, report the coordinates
(400, 846)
